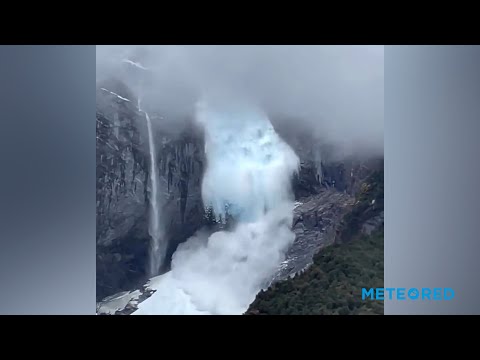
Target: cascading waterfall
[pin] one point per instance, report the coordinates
(248, 176)
(157, 251)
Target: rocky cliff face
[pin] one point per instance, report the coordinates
(314, 224)
(321, 165)
(122, 166)
(123, 188)
(181, 165)
(325, 189)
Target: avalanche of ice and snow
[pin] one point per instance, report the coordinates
(248, 175)
(249, 165)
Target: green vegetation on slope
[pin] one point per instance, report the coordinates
(333, 283)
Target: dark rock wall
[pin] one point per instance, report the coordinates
(181, 163)
(314, 224)
(122, 169)
(123, 188)
(321, 165)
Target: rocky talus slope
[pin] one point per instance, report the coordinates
(332, 283)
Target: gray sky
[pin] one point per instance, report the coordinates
(337, 92)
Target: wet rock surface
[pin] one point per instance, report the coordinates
(314, 225)
(123, 188)
(122, 168)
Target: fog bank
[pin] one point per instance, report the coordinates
(334, 92)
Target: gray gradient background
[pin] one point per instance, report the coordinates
(432, 175)
(47, 178)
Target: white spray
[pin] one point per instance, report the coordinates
(248, 176)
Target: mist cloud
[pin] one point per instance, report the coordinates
(335, 92)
